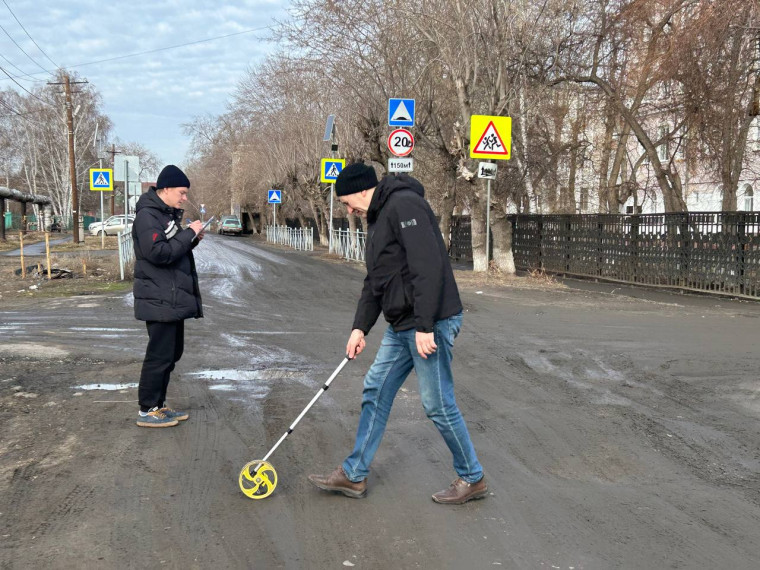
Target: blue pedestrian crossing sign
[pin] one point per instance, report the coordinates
(101, 179)
(331, 167)
(275, 196)
(401, 112)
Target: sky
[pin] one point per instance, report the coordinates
(148, 97)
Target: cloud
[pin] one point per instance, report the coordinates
(148, 96)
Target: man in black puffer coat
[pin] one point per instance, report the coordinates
(166, 289)
(409, 278)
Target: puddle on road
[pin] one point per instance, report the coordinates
(108, 387)
(255, 384)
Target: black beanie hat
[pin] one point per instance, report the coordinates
(172, 177)
(355, 178)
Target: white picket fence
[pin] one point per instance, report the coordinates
(351, 245)
(126, 250)
(297, 238)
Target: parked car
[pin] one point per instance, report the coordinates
(111, 226)
(230, 225)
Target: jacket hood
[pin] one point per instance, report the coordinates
(388, 185)
(151, 200)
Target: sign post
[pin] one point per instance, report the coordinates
(490, 138)
(101, 180)
(274, 198)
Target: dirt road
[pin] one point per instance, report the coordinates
(615, 432)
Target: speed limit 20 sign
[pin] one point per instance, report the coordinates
(401, 142)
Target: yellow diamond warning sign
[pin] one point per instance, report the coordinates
(490, 137)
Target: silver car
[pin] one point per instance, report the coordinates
(111, 226)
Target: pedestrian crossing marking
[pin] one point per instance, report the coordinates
(101, 179)
(331, 168)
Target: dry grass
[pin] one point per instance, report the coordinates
(90, 243)
(12, 239)
(90, 275)
(497, 279)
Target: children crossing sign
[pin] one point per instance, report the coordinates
(101, 179)
(490, 137)
(331, 167)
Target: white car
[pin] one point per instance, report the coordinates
(111, 226)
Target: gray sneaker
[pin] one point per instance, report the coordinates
(174, 414)
(155, 419)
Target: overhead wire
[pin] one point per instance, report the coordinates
(28, 35)
(34, 61)
(169, 47)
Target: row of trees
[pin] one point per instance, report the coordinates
(34, 154)
(609, 98)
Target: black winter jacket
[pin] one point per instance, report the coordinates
(409, 277)
(166, 283)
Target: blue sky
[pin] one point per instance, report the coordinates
(148, 97)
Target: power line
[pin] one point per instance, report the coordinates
(29, 36)
(24, 88)
(167, 47)
(34, 61)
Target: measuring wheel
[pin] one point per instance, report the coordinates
(258, 479)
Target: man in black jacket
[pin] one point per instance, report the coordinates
(166, 289)
(409, 279)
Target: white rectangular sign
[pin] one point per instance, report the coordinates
(487, 170)
(400, 164)
(120, 171)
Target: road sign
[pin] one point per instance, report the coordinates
(401, 142)
(401, 112)
(400, 164)
(203, 209)
(275, 197)
(490, 137)
(120, 168)
(331, 167)
(101, 179)
(487, 170)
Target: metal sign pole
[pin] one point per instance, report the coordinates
(330, 228)
(102, 219)
(126, 192)
(488, 222)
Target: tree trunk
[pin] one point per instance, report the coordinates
(501, 228)
(477, 231)
(447, 210)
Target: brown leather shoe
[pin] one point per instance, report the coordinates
(337, 481)
(460, 491)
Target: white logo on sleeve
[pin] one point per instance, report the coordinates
(408, 223)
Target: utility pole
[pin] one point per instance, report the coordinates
(72, 161)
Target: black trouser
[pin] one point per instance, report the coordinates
(166, 341)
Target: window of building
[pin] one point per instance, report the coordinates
(749, 196)
(663, 150)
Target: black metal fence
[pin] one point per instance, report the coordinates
(705, 251)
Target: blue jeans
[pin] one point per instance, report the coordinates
(393, 363)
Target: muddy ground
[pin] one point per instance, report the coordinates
(618, 429)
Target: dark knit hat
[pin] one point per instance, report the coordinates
(172, 177)
(355, 178)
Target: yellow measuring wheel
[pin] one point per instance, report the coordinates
(258, 478)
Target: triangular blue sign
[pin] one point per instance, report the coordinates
(275, 197)
(401, 112)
